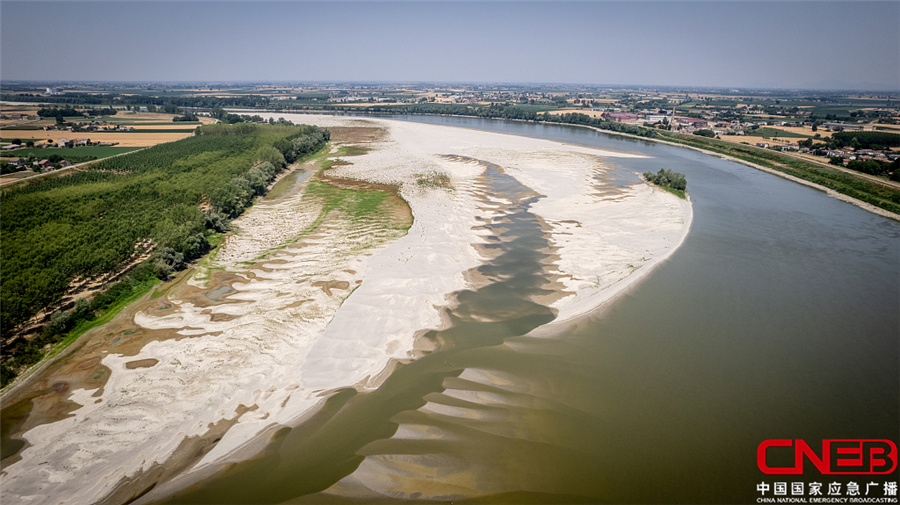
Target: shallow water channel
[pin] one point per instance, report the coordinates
(779, 317)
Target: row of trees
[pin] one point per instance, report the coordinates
(159, 103)
(187, 117)
(71, 111)
(866, 140)
(90, 223)
(872, 167)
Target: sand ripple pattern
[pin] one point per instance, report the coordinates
(335, 308)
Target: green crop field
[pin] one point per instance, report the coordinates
(73, 152)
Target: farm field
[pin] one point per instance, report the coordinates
(66, 153)
(150, 128)
(129, 139)
(591, 113)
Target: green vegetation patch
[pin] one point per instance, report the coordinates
(92, 222)
(79, 153)
(355, 203)
(352, 151)
(673, 182)
(868, 140)
(66, 326)
(874, 193)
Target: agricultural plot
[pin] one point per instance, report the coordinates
(129, 139)
(76, 153)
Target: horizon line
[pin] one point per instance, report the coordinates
(445, 82)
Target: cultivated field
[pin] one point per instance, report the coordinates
(125, 139)
(591, 113)
(145, 124)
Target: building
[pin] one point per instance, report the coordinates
(850, 127)
(693, 122)
(620, 117)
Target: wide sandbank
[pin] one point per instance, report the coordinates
(296, 305)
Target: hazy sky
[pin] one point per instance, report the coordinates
(816, 44)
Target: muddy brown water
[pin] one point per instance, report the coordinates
(777, 318)
(519, 273)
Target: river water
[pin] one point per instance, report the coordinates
(779, 317)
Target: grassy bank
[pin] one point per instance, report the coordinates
(64, 329)
(873, 193)
(137, 291)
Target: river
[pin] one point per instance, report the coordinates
(779, 317)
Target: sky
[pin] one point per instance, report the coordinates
(804, 44)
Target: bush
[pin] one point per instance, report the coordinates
(270, 154)
(216, 221)
(667, 178)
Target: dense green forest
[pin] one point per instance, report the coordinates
(92, 222)
(71, 112)
(867, 140)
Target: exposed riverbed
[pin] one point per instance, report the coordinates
(776, 318)
(306, 300)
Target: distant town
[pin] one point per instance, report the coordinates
(813, 125)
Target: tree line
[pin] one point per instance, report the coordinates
(164, 103)
(866, 140)
(71, 111)
(92, 222)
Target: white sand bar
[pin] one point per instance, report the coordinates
(280, 356)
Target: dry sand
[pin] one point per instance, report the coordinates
(332, 308)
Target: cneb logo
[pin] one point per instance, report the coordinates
(837, 456)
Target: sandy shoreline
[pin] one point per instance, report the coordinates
(337, 307)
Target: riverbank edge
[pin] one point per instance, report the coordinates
(67, 343)
(830, 192)
(587, 306)
(610, 292)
